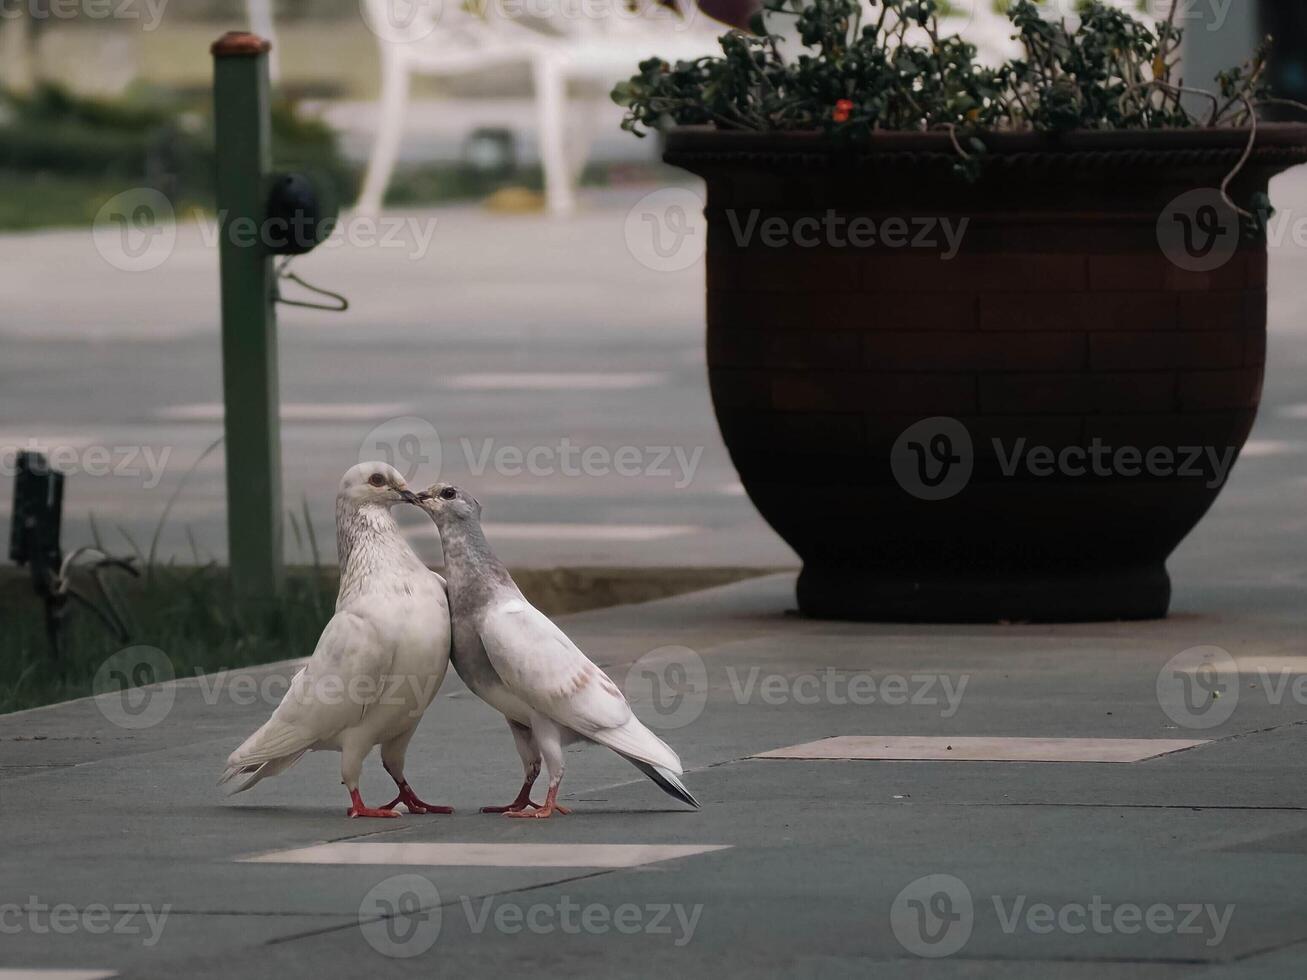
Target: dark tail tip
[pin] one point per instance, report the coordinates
(667, 781)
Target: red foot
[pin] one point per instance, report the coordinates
(357, 809)
(543, 813)
(522, 802)
(551, 807)
(414, 805)
(513, 807)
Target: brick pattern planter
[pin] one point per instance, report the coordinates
(1061, 323)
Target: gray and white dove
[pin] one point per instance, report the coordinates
(379, 662)
(516, 660)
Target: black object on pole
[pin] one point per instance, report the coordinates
(34, 533)
(37, 516)
(34, 541)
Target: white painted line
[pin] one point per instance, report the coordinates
(556, 381)
(487, 855)
(914, 748)
(1266, 448)
(296, 412)
(575, 532)
(15, 974)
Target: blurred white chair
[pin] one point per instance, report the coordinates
(598, 42)
(262, 23)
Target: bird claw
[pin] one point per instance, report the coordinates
(355, 812)
(417, 806)
(414, 805)
(541, 813)
(514, 807)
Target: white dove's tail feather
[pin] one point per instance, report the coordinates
(668, 781)
(650, 754)
(634, 741)
(273, 749)
(258, 772)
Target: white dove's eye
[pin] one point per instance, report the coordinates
(377, 480)
(449, 493)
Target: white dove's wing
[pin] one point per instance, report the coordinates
(329, 695)
(538, 663)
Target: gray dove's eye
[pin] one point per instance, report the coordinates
(449, 493)
(377, 480)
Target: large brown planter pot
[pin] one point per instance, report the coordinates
(893, 411)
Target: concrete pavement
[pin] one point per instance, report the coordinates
(499, 350)
(1185, 864)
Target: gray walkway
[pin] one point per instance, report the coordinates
(1190, 864)
(503, 335)
(501, 347)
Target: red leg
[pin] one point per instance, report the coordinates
(357, 809)
(410, 800)
(551, 807)
(522, 802)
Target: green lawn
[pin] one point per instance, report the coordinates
(189, 614)
(192, 616)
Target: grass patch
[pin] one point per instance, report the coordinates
(192, 615)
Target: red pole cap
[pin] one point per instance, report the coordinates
(240, 44)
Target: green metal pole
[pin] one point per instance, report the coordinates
(243, 140)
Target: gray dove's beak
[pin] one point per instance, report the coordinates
(408, 496)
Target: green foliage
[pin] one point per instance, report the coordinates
(69, 145)
(191, 615)
(1108, 71)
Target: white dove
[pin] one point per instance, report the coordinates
(379, 662)
(517, 661)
